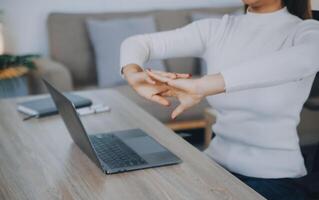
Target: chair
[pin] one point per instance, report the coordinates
(310, 145)
(309, 141)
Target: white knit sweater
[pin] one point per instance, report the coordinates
(268, 62)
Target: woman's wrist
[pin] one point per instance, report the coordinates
(211, 84)
(129, 69)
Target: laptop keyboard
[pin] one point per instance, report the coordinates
(115, 153)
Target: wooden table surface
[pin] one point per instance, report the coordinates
(39, 161)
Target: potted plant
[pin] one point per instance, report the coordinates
(13, 69)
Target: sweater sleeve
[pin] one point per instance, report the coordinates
(190, 40)
(291, 64)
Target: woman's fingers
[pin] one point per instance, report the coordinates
(152, 93)
(173, 75)
(165, 74)
(161, 100)
(170, 74)
(168, 93)
(149, 80)
(183, 75)
(158, 77)
(178, 110)
(181, 84)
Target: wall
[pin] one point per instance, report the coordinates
(25, 20)
(315, 4)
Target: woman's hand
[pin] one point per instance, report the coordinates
(147, 87)
(144, 85)
(185, 90)
(189, 91)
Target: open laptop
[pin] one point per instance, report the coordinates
(113, 152)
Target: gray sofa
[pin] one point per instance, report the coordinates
(72, 65)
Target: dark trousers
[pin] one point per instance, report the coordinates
(275, 189)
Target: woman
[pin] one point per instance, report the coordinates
(261, 66)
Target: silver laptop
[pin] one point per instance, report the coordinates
(113, 152)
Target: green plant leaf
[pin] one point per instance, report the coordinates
(8, 60)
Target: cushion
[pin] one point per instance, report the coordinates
(160, 112)
(107, 36)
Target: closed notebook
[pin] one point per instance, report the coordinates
(45, 106)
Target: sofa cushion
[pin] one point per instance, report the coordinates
(107, 36)
(160, 112)
(69, 43)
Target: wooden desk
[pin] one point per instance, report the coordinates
(38, 160)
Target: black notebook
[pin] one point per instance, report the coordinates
(45, 106)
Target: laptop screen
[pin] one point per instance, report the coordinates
(72, 122)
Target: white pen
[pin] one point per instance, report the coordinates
(99, 108)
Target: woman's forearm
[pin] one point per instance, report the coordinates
(211, 84)
(188, 41)
(278, 67)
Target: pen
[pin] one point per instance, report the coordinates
(29, 117)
